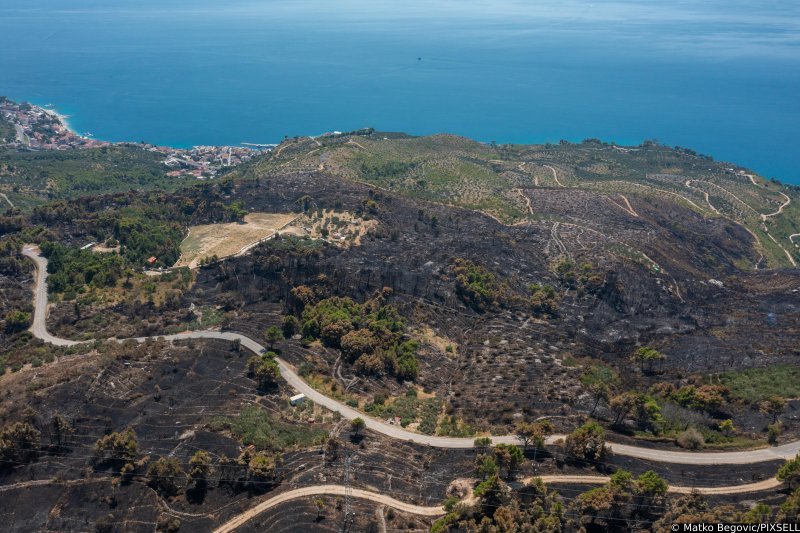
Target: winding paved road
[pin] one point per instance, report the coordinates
(39, 330)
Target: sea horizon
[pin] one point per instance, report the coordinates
(723, 84)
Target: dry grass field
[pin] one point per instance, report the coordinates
(224, 240)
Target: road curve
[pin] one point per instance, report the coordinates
(39, 330)
(39, 326)
(340, 490)
(10, 203)
(555, 175)
(325, 490)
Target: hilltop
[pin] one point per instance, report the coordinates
(432, 285)
(530, 183)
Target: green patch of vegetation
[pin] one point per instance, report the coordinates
(291, 244)
(16, 321)
(478, 287)
(73, 270)
(450, 426)
(370, 335)
(27, 350)
(140, 234)
(584, 277)
(409, 409)
(375, 169)
(256, 426)
(207, 317)
(704, 398)
(38, 177)
(147, 232)
(758, 384)
(544, 299)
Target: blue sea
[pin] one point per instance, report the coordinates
(719, 76)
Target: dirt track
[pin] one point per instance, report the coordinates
(327, 490)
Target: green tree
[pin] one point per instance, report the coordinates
(651, 485)
(646, 357)
(481, 444)
(199, 470)
(789, 473)
(774, 432)
(60, 430)
(773, 406)
(357, 426)
(19, 443)
(486, 466)
(533, 433)
(492, 494)
(622, 405)
(290, 326)
(599, 380)
(319, 503)
(587, 443)
(273, 334)
(117, 447)
(509, 457)
(164, 475)
(789, 510)
(264, 370)
(262, 467)
(760, 513)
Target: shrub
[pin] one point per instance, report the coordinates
(651, 484)
(727, 428)
(255, 426)
(789, 473)
(544, 299)
(773, 432)
(691, 439)
(19, 443)
(17, 321)
(357, 425)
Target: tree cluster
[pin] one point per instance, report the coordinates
(371, 336)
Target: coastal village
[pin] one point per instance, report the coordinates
(39, 128)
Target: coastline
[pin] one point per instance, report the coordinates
(61, 118)
(42, 128)
(64, 121)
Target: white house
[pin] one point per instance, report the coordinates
(297, 399)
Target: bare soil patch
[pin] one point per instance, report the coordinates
(224, 240)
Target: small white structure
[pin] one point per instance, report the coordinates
(297, 399)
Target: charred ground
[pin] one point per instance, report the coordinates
(520, 282)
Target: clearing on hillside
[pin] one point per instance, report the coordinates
(224, 240)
